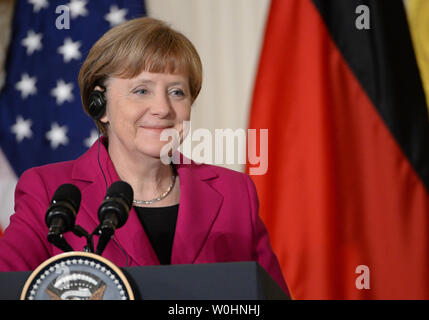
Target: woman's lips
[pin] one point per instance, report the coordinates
(155, 130)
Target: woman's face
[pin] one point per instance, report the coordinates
(138, 109)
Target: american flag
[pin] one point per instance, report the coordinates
(41, 115)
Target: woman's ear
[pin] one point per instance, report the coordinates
(104, 119)
(98, 88)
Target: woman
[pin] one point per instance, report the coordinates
(141, 78)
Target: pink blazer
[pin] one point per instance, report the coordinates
(217, 221)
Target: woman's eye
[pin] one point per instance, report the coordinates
(141, 91)
(177, 93)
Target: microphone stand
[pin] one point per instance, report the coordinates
(59, 241)
(81, 232)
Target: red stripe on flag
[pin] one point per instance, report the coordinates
(339, 192)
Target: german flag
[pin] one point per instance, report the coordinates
(346, 195)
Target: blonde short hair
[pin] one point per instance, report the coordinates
(142, 44)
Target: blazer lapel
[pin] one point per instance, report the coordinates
(198, 209)
(131, 237)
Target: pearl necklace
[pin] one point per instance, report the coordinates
(162, 196)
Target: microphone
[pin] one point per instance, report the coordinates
(61, 214)
(113, 212)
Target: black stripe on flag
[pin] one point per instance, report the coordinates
(383, 61)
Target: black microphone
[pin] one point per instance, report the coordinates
(61, 214)
(113, 212)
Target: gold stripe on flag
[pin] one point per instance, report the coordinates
(418, 20)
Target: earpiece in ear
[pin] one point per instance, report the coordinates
(96, 104)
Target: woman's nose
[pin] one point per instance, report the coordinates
(161, 105)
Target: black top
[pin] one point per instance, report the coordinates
(159, 225)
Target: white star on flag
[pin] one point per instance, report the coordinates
(22, 128)
(38, 4)
(27, 85)
(70, 50)
(77, 8)
(116, 16)
(57, 135)
(32, 42)
(63, 92)
(88, 142)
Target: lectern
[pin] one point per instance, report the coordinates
(217, 281)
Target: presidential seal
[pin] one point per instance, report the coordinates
(77, 276)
